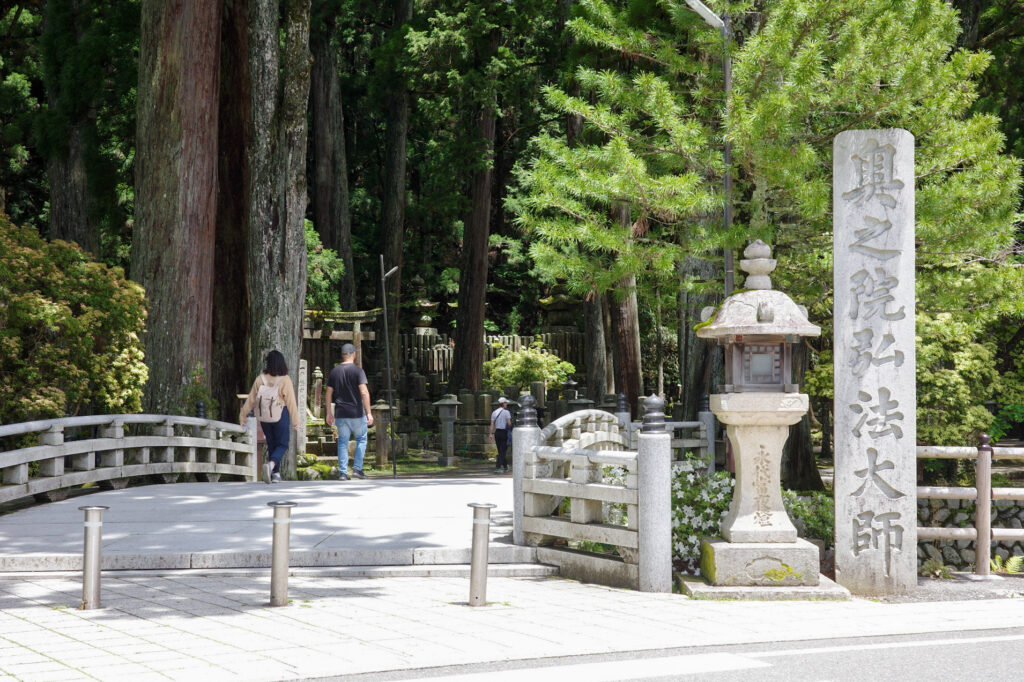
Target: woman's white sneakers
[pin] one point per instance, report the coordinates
(268, 470)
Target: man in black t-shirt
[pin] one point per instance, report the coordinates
(348, 406)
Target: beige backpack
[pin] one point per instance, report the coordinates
(268, 401)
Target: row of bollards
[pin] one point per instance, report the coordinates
(92, 559)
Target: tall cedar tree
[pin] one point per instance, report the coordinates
(176, 190)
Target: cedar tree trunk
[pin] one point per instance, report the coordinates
(230, 373)
(467, 363)
(395, 155)
(329, 194)
(277, 183)
(176, 189)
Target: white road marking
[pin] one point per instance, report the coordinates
(611, 671)
(885, 645)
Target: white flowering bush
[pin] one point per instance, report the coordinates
(614, 513)
(699, 501)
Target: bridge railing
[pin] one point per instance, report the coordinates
(566, 460)
(111, 449)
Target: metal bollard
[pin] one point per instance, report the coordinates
(279, 555)
(478, 563)
(92, 556)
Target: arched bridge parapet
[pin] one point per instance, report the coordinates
(111, 449)
(571, 458)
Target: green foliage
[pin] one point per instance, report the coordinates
(1005, 419)
(621, 198)
(324, 270)
(198, 390)
(520, 368)
(934, 568)
(1014, 564)
(956, 374)
(69, 331)
(23, 189)
(813, 513)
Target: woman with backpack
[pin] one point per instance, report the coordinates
(272, 401)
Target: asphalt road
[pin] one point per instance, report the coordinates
(979, 655)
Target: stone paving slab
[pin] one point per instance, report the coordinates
(188, 627)
(220, 525)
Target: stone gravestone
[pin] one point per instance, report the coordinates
(875, 394)
(301, 402)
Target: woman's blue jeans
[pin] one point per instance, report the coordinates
(277, 435)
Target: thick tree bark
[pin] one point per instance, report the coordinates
(67, 174)
(467, 363)
(622, 305)
(277, 186)
(597, 369)
(330, 195)
(176, 189)
(393, 209)
(69, 193)
(625, 329)
(230, 372)
(799, 468)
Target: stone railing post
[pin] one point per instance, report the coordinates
(525, 436)
(707, 420)
(251, 439)
(54, 466)
(112, 458)
(654, 471)
(625, 420)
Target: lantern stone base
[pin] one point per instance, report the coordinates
(445, 461)
(760, 564)
(696, 588)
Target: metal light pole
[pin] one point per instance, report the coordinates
(722, 23)
(387, 362)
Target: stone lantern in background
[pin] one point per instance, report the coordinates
(758, 403)
(447, 413)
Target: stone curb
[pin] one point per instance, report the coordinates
(421, 556)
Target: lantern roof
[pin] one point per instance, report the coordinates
(758, 310)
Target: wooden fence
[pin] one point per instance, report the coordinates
(982, 534)
(432, 353)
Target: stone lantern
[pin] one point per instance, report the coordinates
(447, 412)
(758, 403)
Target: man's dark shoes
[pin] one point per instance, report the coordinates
(342, 476)
(358, 473)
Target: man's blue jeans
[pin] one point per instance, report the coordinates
(356, 427)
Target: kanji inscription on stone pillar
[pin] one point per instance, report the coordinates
(875, 395)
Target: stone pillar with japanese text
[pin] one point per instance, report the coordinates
(875, 393)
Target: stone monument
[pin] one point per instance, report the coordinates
(759, 544)
(875, 393)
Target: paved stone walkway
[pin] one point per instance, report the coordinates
(179, 626)
(211, 623)
(223, 525)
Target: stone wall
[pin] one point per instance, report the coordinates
(960, 514)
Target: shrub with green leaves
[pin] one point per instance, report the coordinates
(69, 331)
(813, 513)
(521, 367)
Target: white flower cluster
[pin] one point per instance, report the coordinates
(699, 501)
